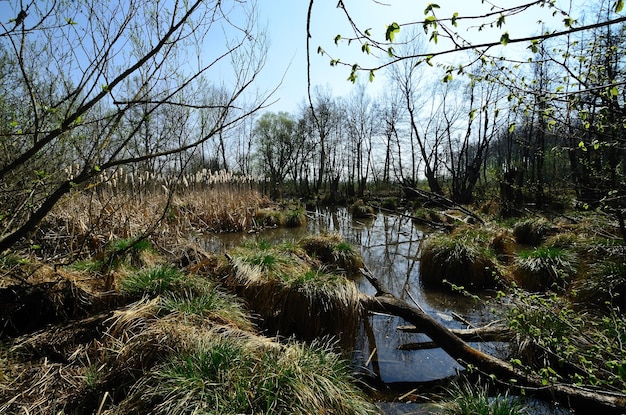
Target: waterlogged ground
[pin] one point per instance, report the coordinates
(390, 246)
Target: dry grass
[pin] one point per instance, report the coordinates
(150, 358)
(85, 222)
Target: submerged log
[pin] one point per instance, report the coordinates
(573, 396)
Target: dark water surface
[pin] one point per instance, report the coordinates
(390, 246)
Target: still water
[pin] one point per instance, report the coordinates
(390, 247)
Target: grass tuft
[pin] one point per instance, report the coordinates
(471, 399)
(544, 268)
(220, 374)
(463, 259)
(152, 281)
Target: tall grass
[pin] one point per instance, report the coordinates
(84, 223)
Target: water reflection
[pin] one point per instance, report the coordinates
(390, 246)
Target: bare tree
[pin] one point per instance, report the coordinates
(94, 80)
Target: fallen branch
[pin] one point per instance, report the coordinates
(445, 202)
(480, 334)
(464, 354)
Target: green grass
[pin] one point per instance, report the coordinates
(214, 305)
(472, 399)
(87, 265)
(152, 281)
(545, 267)
(235, 375)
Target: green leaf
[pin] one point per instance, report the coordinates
(472, 114)
(368, 32)
(430, 21)
(504, 39)
(320, 50)
(551, 125)
(512, 127)
(455, 16)
(353, 73)
(501, 21)
(372, 75)
(430, 8)
(96, 169)
(392, 30)
(447, 78)
(390, 52)
(619, 5)
(614, 91)
(105, 88)
(337, 39)
(534, 46)
(365, 48)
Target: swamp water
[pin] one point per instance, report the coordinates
(390, 247)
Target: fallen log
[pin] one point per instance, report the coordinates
(572, 396)
(489, 333)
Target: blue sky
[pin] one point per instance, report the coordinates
(286, 20)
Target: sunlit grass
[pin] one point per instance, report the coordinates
(234, 375)
(151, 281)
(474, 399)
(212, 305)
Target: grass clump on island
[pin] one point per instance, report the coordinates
(469, 398)
(461, 259)
(299, 289)
(289, 215)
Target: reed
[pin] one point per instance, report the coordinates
(86, 223)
